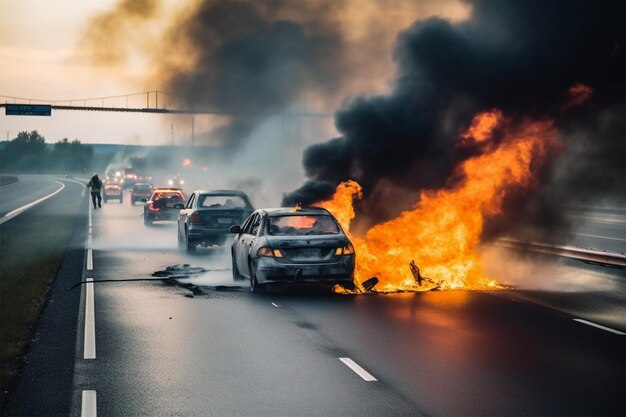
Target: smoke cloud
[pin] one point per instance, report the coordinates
(558, 60)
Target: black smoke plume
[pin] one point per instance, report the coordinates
(520, 57)
(249, 62)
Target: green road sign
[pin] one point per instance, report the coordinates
(28, 109)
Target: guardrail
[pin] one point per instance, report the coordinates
(588, 255)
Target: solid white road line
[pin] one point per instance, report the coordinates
(89, 260)
(22, 209)
(90, 323)
(88, 407)
(608, 329)
(357, 369)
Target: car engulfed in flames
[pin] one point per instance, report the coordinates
(442, 232)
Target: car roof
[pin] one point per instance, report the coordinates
(221, 192)
(167, 189)
(142, 184)
(290, 211)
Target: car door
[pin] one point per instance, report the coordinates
(183, 215)
(238, 246)
(245, 242)
(250, 235)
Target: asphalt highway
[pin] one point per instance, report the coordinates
(29, 189)
(206, 346)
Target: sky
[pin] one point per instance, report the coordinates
(42, 47)
(39, 41)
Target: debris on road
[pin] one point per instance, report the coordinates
(179, 271)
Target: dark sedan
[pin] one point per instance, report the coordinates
(292, 245)
(164, 204)
(208, 216)
(140, 192)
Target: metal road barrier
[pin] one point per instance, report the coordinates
(589, 255)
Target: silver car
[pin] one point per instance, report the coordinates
(288, 245)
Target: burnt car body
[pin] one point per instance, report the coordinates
(163, 205)
(208, 216)
(287, 245)
(140, 192)
(112, 192)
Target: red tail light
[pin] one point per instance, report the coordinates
(195, 218)
(152, 208)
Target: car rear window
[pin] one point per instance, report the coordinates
(222, 202)
(142, 189)
(300, 225)
(168, 194)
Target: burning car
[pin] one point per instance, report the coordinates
(292, 245)
(140, 192)
(208, 216)
(164, 204)
(112, 192)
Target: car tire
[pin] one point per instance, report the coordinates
(190, 245)
(181, 242)
(236, 275)
(348, 285)
(254, 284)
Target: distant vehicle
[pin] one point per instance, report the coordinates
(129, 180)
(112, 192)
(208, 216)
(141, 191)
(164, 204)
(292, 245)
(176, 182)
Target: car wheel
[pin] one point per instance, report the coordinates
(190, 245)
(254, 284)
(236, 275)
(181, 242)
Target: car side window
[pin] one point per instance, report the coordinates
(255, 225)
(253, 222)
(246, 224)
(190, 202)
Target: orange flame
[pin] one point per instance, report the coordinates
(442, 232)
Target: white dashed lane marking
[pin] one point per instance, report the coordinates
(88, 406)
(90, 322)
(608, 329)
(358, 370)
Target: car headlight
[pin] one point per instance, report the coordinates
(345, 250)
(170, 182)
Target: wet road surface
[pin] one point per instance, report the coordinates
(206, 346)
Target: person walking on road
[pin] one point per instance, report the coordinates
(96, 186)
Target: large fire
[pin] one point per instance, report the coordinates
(442, 232)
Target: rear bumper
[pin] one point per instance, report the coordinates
(208, 235)
(162, 215)
(340, 271)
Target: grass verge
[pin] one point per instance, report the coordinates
(32, 247)
(7, 180)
